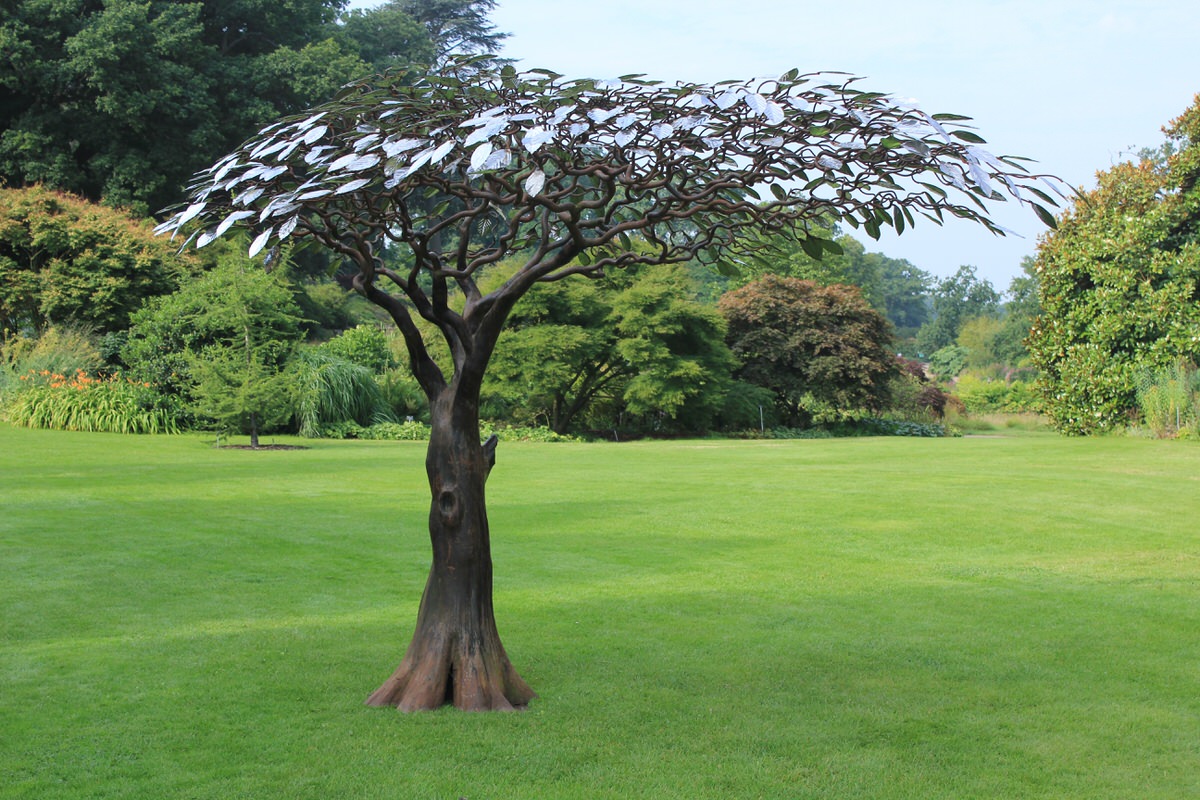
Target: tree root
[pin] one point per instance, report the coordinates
(439, 675)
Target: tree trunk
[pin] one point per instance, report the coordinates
(456, 655)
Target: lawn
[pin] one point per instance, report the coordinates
(864, 618)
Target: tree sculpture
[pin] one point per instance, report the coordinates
(467, 165)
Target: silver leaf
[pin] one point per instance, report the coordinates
(357, 183)
(535, 137)
(479, 155)
(259, 242)
(227, 223)
(313, 134)
(757, 103)
(394, 147)
(602, 115)
(289, 225)
(443, 150)
(535, 182)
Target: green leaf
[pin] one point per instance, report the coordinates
(1045, 216)
(728, 269)
(967, 136)
(778, 191)
(812, 247)
(890, 142)
(950, 117)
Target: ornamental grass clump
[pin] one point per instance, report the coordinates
(84, 403)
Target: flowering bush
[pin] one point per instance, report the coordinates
(47, 399)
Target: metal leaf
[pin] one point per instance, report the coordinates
(227, 223)
(442, 151)
(259, 242)
(357, 183)
(394, 147)
(313, 134)
(535, 137)
(479, 156)
(757, 103)
(535, 182)
(289, 225)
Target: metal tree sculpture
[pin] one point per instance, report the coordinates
(474, 164)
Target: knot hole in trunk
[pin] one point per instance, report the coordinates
(448, 506)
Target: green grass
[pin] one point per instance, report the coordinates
(861, 618)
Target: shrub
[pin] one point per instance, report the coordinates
(83, 403)
(523, 433)
(365, 345)
(61, 349)
(1169, 400)
(332, 390)
(410, 431)
(981, 396)
(948, 361)
(63, 258)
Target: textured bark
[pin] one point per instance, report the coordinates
(456, 655)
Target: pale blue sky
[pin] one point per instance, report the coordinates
(1071, 84)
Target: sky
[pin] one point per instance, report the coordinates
(1078, 86)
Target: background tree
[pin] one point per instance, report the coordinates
(388, 37)
(468, 166)
(893, 286)
(454, 26)
(63, 259)
(124, 100)
(1120, 285)
(822, 350)
(633, 343)
(962, 296)
(221, 344)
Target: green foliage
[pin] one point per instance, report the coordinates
(83, 403)
(822, 350)
(211, 310)
(1120, 287)
(983, 396)
(332, 389)
(403, 395)
(407, 431)
(61, 349)
(1169, 400)
(961, 297)
(387, 37)
(633, 343)
(454, 26)
(63, 259)
(948, 361)
(365, 345)
(242, 388)
(124, 100)
(222, 344)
